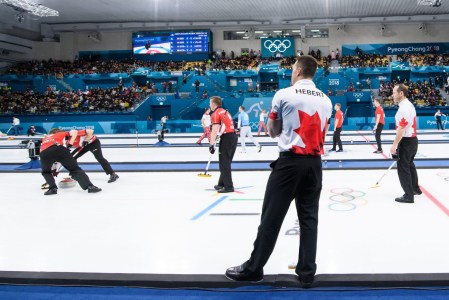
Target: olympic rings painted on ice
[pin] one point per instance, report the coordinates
(277, 45)
(346, 199)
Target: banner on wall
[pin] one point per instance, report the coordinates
(278, 47)
(400, 66)
(395, 49)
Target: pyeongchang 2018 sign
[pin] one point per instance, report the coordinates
(283, 46)
(394, 49)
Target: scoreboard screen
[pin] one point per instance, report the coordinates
(173, 42)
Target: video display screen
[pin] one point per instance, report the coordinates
(174, 42)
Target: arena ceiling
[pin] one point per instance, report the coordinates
(115, 14)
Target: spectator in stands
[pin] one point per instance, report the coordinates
(197, 86)
(351, 87)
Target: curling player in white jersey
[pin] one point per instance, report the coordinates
(299, 117)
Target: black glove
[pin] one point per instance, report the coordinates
(69, 146)
(395, 156)
(211, 149)
(85, 143)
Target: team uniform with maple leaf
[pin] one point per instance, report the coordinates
(299, 116)
(407, 149)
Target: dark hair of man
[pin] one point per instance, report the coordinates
(377, 100)
(403, 88)
(338, 104)
(308, 64)
(55, 130)
(242, 107)
(216, 100)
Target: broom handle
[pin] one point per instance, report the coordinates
(383, 175)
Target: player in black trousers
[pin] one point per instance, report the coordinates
(405, 144)
(53, 150)
(92, 143)
(296, 174)
(223, 126)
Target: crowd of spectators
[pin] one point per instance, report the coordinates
(421, 93)
(364, 61)
(418, 60)
(244, 62)
(94, 100)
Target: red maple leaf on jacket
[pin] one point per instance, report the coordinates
(310, 133)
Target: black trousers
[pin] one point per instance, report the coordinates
(336, 139)
(226, 151)
(95, 148)
(408, 177)
(62, 154)
(379, 129)
(299, 178)
(439, 124)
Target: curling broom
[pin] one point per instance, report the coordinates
(383, 175)
(208, 163)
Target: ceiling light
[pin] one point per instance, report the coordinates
(257, 31)
(277, 31)
(31, 7)
(240, 32)
(296, 30)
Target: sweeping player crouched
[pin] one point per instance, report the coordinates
(92, 143)
(53, 150)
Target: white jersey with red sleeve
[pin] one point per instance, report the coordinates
(406, 117)
(304, 111)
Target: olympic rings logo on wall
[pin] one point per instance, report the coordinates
(254, 125)
(346, 199)
(277, 45)
(358, 95)
(161, 98)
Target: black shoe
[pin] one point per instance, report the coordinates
(226, 190)
(93, 189)
(339, 150)
(332, 149)
(378, 151)
(51, 191)
(404, 199)
(305, 282)
(417, 192)
(113, 178)
(239, 274)
(218, 187)
(259, 148)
